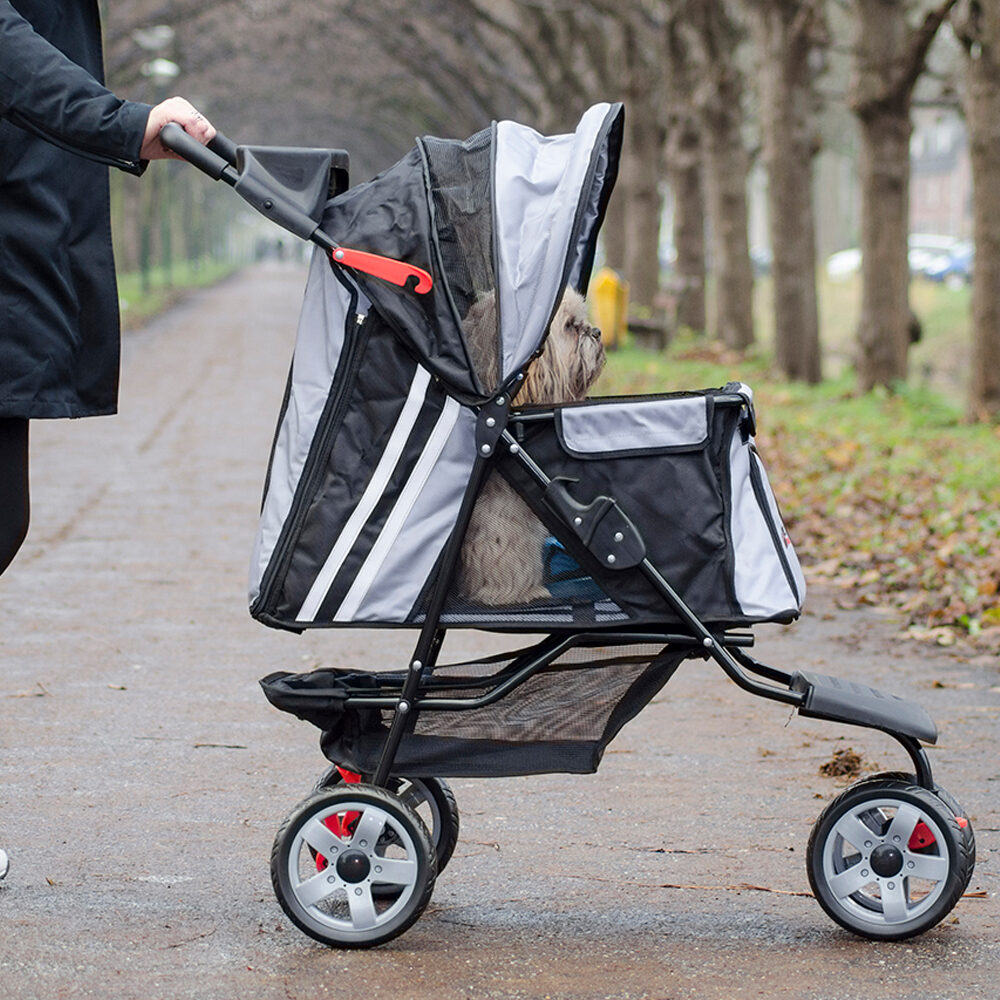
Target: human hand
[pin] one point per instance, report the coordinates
(174, 109)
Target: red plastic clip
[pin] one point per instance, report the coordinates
(386, 268)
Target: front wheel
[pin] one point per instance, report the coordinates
(337, 850)
(430, 798)
(888, 859)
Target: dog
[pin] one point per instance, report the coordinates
(501, 562)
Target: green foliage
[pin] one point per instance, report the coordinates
(138, 307)
(889, 496)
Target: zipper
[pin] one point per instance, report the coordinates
(312, 470)
(757, 481)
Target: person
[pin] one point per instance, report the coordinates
(60, 131)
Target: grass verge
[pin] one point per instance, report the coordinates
(890, 497)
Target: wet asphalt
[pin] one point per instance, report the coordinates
(143, 776)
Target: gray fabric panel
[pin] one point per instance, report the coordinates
(761, 586)
(537, 185)
(602, 429)
(318, 347)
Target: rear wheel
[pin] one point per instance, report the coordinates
(888, 859)
(430, 798)
(334, 852)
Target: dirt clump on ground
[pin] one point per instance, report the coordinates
(845, 763)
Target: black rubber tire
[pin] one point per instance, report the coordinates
(862, 911)
(436, 792)
(380, 918)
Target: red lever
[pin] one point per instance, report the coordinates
(387, 268)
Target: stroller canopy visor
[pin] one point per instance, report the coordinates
(503, 222)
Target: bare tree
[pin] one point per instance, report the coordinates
(889, 55)
(684, 173)
(712, 37)
(787, 35)
(978, 27)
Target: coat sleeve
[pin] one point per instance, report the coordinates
(45, 92)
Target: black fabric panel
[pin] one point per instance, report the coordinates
(678, 502)
(444, 757)
(369, 534)
(358, 431)
(389, 216)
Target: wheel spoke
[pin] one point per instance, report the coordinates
(855, 832)
(894, 907)
(321, 838)
(849, 882)
(932, 867)
(362, 906)
(314, 890)
(369, 827)
(902, 826)
(394, 871)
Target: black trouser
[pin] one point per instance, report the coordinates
(14, 505)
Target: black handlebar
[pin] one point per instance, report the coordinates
(225, 147)
(204, 158)
(288, 185)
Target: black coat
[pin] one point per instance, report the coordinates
(59, 130)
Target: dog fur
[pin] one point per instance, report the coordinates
(501, 562)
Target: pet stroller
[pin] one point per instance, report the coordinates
(662, 538)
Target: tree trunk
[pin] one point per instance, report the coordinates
(889, 56)
(641, 167)
(684, 174)
(613, 230)
(645, 208)
(714, 39)
(979, 28)
(884, 173)
(726, 167)
(782, 34)
(688, 282)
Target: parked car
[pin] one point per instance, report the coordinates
(924, 249)
(843, 264)
(955, 267)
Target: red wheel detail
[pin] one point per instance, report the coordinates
(921, 837)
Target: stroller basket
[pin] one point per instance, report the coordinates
(500, 716)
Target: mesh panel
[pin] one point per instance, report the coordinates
(512, 569)
(571, 699)
(459, 174)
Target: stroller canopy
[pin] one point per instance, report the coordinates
(503, 222)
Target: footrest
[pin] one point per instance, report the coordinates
(844, 701)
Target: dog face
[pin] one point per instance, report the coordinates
(571, 358)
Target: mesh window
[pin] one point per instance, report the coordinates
(460, 189)
(513, 569)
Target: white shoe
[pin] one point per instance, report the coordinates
(4, 863)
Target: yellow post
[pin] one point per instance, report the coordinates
(608, 299)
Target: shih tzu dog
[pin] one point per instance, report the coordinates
(502, 556)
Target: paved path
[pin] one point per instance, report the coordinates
(142, 774)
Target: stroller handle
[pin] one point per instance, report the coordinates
(205, 158)
(225, 147)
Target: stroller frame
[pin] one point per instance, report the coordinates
(813, 695)
(866, 848)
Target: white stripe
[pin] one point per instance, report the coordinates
(394, 524)
(373, 493)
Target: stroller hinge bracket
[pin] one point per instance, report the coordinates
(602, 526)
(491, 423)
